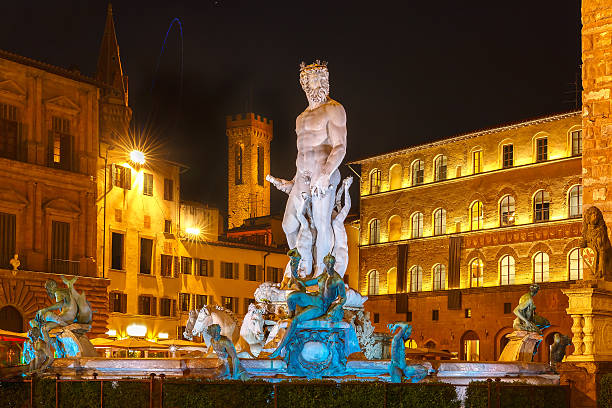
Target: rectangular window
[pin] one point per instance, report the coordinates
(230, 303)
(147, 184)
(122, 176)
(168, 189)
(435, 315)
(165, 307)
(146, 253)
(477, 160)
(116, 251)
(147, 305)
(408, 316)
(8, 238)
(60, 248)
(260, 165)
(201, 267)
(200, 301)
(117, 302)
(508, 156)
(507, 308)
(166, 266)
(250, 272)
(186, 265)
(541, 149)
(577, 143)
(274, 274)
(184, 302)
(238, 175)
(376, 317)
(60, 144)
(468, 313)
(9, 131)
(168, 226)
(229, 270)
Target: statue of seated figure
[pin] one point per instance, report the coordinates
(398, 367)
(526, 317)
(327, 301)
(225, 350)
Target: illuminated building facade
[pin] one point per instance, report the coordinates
(48, 152)
(454, 231)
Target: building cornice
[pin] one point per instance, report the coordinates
(467, 136)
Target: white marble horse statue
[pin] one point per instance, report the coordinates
(199, 320)
(252, 335)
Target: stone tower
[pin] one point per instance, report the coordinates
(248, 144)
(596, 105)
(115, 114)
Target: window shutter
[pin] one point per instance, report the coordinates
(177, 266)
(50, 149)
(236, 271)
(246, 272)
(173, 310)
(269, 277)
(66, 152)
(153, 306)
(128, 178)
(210, 268)
(140, 304)
(110, 302)
(124, 303)
(260, 275)
(113, 174)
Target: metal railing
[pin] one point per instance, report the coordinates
(64, 266)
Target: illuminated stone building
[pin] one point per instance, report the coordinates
(454, 231)
(49, 119)
(249, 138)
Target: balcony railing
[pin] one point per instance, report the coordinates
(64, 266)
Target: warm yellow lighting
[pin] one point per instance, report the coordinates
(162, 335)
(136, 330)
(112, 333)
(193, 231)
(138, 157)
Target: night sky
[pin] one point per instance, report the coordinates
(406, 73)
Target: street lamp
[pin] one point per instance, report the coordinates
(138, 157)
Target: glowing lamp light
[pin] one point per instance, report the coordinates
(192, 231)
(136, 330)
(162, 335)
(138, 157)
(112, 333)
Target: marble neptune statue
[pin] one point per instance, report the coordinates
(321, 145)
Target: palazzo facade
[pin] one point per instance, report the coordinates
(454, 231)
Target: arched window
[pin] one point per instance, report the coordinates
(575, 201)
(374, 231)
(238, 169)
(439, 221)
(575, 264)
(476, 273)
(395, 177)
(507, 210)
(373, 282)
(375, 181)
(416, 279)
(418, 172)
(541, 206)
(476, 216)
(506, 270)
(417, 225)
(439, 277)
(395, 228)
(440, 168)
(392, 280)
(540, 267)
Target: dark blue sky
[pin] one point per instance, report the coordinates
(406, 73)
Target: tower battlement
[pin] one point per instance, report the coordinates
(249, 119)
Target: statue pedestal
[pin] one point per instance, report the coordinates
(521, 346)
(320, 348)
(590, 307)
